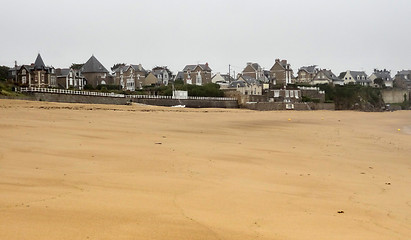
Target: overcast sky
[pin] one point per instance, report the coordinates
(333, 34)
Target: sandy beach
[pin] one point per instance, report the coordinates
(74, 171)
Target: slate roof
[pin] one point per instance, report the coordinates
(250, 80)
(330, 75)
(256, 66)
(205, 67)
(237, 83)
(93, 66)
(358, 73)
(227, 78)
(309, 69)
(180, 75)
(138, 68)
(39, 64)
(404, 72)
(63, 72)
(385, 75)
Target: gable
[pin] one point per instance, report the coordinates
(277, 67)
(249, 68)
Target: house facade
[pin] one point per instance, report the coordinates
(306, 74)
(281, 73)
(384, 75)
(222, 78)
(199, 74)
(151, 79)
(285, 95)
(255, 71)
(403, 79)
(130, 77)
(35, 75)
(355, 77)
(95, 73)
(247, 86)
(326, 77)
(163, 74)
(69, 78)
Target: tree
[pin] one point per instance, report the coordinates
(117, 65)
(3, 72)
(76, 66)
(379, 82)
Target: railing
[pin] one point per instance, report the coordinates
(116, 95)
(171, 97)
(71, 92)
(311, 88)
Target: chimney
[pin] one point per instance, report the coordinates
(140, 67)
(284, 62)
(15, 64)
(277, 60)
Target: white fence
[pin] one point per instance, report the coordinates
(115, 95)
(312, 89)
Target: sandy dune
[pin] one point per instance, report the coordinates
(72, 171)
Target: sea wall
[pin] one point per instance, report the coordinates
(68, 98)
(395, 95)
(276, 106)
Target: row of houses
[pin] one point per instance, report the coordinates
(253, 80)
(128, 77)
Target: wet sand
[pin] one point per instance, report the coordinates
(73, 171)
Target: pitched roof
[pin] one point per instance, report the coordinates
(205, 67)
(93, 66)
(39, 64)
(138, 67)
(238, 83)
(180, 75)
(404, 72)
(309, 69)
(330, 75)
(249, 80)
(386, 75)
(62, 72)
(356, 74)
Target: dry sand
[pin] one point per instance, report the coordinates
(72, 171)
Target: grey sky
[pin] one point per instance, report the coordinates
(341, 35)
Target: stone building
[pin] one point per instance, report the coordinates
(306, 74)
(95, 73)
(281, 73)
(130, 77)
(199, 74)
(36, 74)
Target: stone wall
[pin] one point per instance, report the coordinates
(67, 98)
(276, 106)
(191, 103)
(395, 95)
(313, 94)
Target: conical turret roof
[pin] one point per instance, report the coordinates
(93, 66)
(39, 64)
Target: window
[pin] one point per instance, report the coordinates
(23, 79)
(199, 80)
(23, 72)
